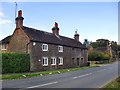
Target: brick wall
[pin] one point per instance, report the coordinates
(18, 42)
(68, 54)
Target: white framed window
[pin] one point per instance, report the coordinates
(60, 61)
(45, 61)
(44, 47)
(53, 61)
(4, 47)
(60, 48)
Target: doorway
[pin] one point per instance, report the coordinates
(78, 62)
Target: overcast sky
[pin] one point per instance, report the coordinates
(92, 20)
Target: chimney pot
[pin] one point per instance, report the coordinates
(76, 36)
(20, 13)
(19, 19)
(56, 24)
(55, 29)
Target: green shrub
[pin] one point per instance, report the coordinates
(15, 62)
(98, 56)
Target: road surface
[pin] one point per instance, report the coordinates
(89, 78)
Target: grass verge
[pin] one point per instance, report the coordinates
(114, 85)
(33, 74)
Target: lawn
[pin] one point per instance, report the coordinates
(33, 74)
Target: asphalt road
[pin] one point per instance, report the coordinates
(89, 78)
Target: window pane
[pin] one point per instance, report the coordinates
(45, 47)
(60, 60)
(60, 48)
(46, 61)
(43, 61)
(51, 61)
(4, 46)
(54, 60)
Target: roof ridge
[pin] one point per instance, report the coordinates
(6, 39)
(43, 36)
(35, 29)
(50, 33)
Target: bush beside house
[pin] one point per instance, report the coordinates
(98, 56)
(15, 62)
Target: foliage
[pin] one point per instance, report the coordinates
(114, 47)
(118, 47)
(15, 62)
(86, 42)
(94, 44)
(104, 43)
(97, 56)
(114, 85)
(100, 43)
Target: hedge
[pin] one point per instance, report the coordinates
(97, 56)
(15, 62)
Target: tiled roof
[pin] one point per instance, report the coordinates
(50, 38)
(6, 39)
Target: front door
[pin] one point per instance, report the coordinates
(78, 61)
(81, 62)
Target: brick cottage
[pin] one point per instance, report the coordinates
(47, 50)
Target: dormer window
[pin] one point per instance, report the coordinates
(44, 47)
(60, 48)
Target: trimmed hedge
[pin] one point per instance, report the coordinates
(15, 62)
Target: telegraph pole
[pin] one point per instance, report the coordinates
(15, 10)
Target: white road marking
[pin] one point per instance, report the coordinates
(42, 85)
(85, 75)
(82, 75)
(57, 82)
(90, 73)
(75, 77)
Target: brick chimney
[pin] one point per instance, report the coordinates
(55, 29)
(19, 19)
(76, 36)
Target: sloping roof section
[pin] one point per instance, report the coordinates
(6, 39)
(50, 38)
